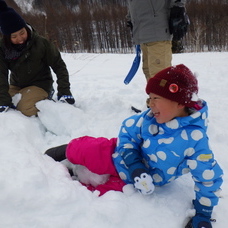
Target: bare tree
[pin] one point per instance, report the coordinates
(100, 25)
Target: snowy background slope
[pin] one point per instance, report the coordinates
(36, 192)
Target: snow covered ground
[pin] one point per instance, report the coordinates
(37, 192)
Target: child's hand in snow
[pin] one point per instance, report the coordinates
(144, 183)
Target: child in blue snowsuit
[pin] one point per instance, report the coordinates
(169, 140)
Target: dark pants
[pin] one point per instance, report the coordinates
(57, 153)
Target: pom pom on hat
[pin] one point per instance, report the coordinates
(10, 20)
(176, 83)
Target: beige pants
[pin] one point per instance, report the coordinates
(29, 96)
(156, 57)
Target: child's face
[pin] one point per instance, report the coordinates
(19, 37)
(164, 109)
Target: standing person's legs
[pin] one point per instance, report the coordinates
(156, 57)
(29, 97)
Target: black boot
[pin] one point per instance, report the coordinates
(57, 153)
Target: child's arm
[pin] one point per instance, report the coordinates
(207, 175)
(130, 133)
(128, 158)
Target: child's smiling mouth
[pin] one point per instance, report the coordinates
(156, 114)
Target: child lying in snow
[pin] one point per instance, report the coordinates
(93, 159)
(169, 140)
(159, 145)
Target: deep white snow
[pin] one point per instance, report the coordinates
(37, 192)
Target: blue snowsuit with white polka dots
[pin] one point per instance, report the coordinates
(170, 150)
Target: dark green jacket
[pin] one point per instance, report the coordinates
(33, 68)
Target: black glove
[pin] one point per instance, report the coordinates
(130, 25)
(66, 98)
(4, 108)
(178, 22)
(202, 217)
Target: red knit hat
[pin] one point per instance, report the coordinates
(176, 83)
